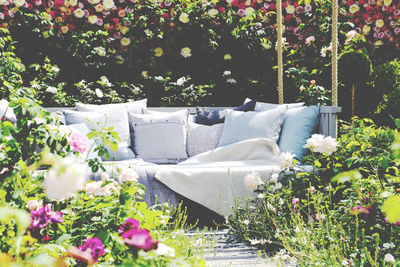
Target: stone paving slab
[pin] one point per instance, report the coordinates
(229, 252)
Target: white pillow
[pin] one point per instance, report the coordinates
(160, 137)
(134, 107)
(241, 125)
(262, 106)
(108, 118)
(202, 138)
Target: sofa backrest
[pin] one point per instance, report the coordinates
(327, 120)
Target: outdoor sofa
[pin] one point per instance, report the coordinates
(211, 177)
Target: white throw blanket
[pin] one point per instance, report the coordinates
(215, 178)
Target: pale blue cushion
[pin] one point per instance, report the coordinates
(298, 126)
(240, 126)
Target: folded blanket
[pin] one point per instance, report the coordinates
(214, 179)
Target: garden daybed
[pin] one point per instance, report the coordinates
(212, 178)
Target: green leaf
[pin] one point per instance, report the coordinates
(391, 207)
(22, 218)
(347, 176)
(114, 146)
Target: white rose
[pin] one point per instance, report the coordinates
(97, 188)
(274, 178)
(181, 81)
(366, 29)
(164, 250)
(248, 11)
(227, 73)
(34, 204)
(159, 78)
(101, 51)
(184, 18)
(212, 12)
(186, 52)
(51, 90)
(285, 160)
(389, 258)
(108, 4)
(310, 40)
(231, 80)
(127, 174)
(354, 9)
(252, 180)
(19, 3)
(79, 13)
(290, 9)
(64, 178)
(319, 143)
(99, 93)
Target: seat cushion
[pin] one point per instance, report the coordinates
(160, 137)
(298, 126)
(262, 106)
(96, 120)
(240, 126)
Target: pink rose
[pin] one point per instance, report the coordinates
(79, 142)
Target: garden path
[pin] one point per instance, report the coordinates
(229, 252)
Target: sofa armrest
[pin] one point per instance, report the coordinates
(328, 119)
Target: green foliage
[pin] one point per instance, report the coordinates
(355, 68)
(333, 215)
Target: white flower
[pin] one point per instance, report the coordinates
(274, 178)
(290, 9)
(186, 52)
(145, 74)
(164, 250)
(227, 73)
(212, 12)
(311, 189)
(252, 180)
(319, 143)
(354, 9)
(246, 222)
(181, 81)
(350, 35)
(51, 90)
(108, 4)
(34, 204)
(248, 11)
(389, 258)
(79, 13)
(159, 78)
(231, 80)
(64, 178)
(285, 160)
(127, 174)
(98, 189)
(19, 3)
(101, 51)
(388, 245)
(310, 40)
(99, 93)
(345, 263)
(184, 18)
(270, 207)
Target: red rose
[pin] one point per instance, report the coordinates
(350, 2)
(288, 17)
(221, 9)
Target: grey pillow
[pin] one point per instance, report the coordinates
(134, 107)
(95, 120)
(202, 138)
(240, 126)
(160, 137)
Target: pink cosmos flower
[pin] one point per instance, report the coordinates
(79, 142)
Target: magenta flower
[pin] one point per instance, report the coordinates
(79, 142)
(128, 225)
(42, 217)
(139, 239)
(94, 246)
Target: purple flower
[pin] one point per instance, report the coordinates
(95, 247)
(128, 225)
(139, 239)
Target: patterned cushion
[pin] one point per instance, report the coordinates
(202, 138)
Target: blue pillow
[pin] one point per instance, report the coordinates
(298, 126)
(240, 126)
(209, 116)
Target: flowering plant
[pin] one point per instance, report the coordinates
(312, 94)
